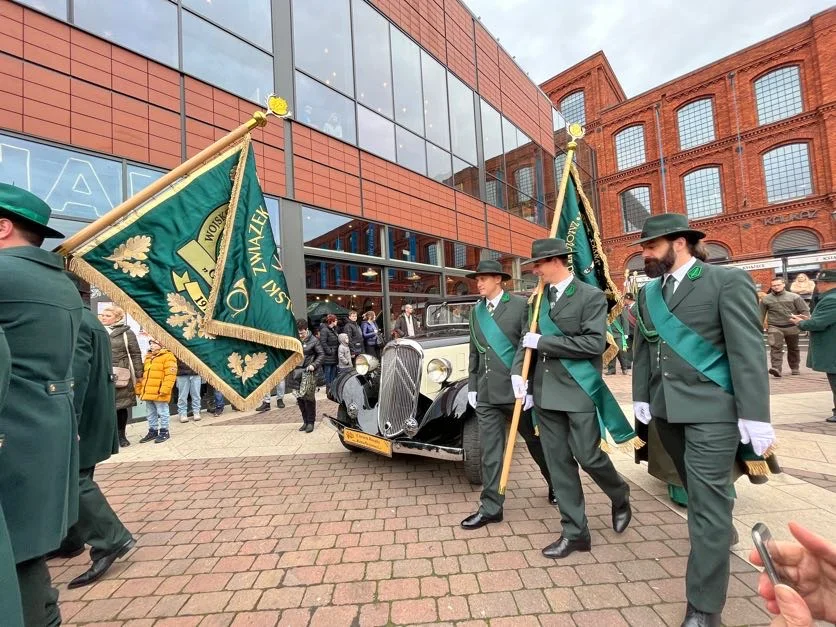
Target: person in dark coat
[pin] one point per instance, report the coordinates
(9, 591)
(330, 342)
(304, 387)
(355, 336)
(95, 410)
(40, 311)
(371, 334)
(406, 325)
(125, 354)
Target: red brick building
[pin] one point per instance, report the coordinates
(745, 146)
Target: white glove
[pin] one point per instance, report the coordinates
(760, 434)
(520, 386)
(641, 411)
(311, 368)
(530, 340)
(471, 399)
(529, 402)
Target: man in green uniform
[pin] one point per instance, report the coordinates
(40, 311)
(776, 309)
(822, 327)
(620, 328)
(572, 338)
(95, 410)
(699, 372)
(9, 590)
(496, 325)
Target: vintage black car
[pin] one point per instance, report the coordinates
(414, 399)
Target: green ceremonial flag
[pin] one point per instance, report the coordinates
(579, 228)
(197, 266)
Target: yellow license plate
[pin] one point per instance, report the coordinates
(368, 442)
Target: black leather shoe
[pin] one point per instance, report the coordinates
(621, 515)
(696, 618)
(480, 520)
(552, 497)
(304, 426)
(309, 427)
(64, 554)
(775, 372)
(565, 546)
(832, 418)
(101, 566)
(263, 407)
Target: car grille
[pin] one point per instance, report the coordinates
(400, 381)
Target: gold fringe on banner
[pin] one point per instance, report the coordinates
(633, 444)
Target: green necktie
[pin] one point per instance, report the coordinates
(667, 289)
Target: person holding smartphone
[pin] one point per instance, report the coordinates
(806, 591)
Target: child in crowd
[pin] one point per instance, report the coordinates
(343, 354)
(158, 378)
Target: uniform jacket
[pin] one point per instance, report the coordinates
(94, 393)
(488, 376)
(122, 358)
(355, 337)
(722, 307)
(582, 317)
(159, 376)
(40, 311)
(5, 371)
(330, 343)
(822, 328)
(624, 322)
(402, 330)
(775, 309)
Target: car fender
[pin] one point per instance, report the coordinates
(451, 402)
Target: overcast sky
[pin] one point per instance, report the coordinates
(647, 42)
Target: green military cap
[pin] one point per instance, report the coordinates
(548, 248)
(827, 275)
(29, 208)
(667, 224)
(489, 266)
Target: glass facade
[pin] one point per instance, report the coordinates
(703, 193)
(372, 60)
(324, 53)
(696, 123)
(573, 108)
(778, 95)
(629, 147)
(325, 109)
(332, 231)
(786, 170)
(250, 19)
(635, 208)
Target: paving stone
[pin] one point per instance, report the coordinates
(343, 616)
(599, 618)
(492, 605)
(256, 619)
(413, 612)
(207, 602)
(374, 615)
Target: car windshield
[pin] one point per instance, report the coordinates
(444, 314)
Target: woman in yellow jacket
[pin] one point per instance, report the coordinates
(158, 378)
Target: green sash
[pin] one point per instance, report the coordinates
(616, 324)
(587, 376)
(497, 340)
(702, 355)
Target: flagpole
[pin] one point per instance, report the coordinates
(576, 132)
(259, 119)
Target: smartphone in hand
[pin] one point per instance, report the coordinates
(764, 543)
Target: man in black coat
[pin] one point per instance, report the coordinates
(355, 336)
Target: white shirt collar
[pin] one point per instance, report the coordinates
(680, 272)
(561, 287)
(495, 301)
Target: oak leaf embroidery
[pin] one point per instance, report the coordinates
(247, 367)
(129, 256)
(185, 315)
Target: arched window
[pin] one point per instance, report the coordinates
(786, 170)
(635, 208)
(572, 108)
(629, 147)
(696, 123)
(717, 252)
(703, 194)
(795, 240)
(635, 263)
(778, 95)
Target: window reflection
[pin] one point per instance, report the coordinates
(435, 101)
(324, 109)
(495, 192)
(55, 8)
(321, 274)
(373, 72)
(406, 69)
(139, 178)
(71, 183)
(411, 153)
(67, 227)
(412, 246)
(377, 134)
(147, 26)
(250, 18)
(465, 177)
(509, 135)
(330, 231)
(461, 256)
(462, 120)
(439, 166)
(272, 206)
(221, 59)
(491, 134)
(324, 52)
(413, 282)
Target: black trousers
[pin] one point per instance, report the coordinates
(97, 525)
(308, 409)
(122, 416)
(38, 597)
(831, 379)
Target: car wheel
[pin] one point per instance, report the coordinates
(472, 451)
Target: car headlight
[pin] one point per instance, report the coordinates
(439, 370)
(364, 364)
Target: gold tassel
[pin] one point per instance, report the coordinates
(537, 430)
(605, 446)
(633, 444)
(758, 468)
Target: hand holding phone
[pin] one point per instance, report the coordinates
(763, 541)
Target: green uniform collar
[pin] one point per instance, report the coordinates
(33, 253)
